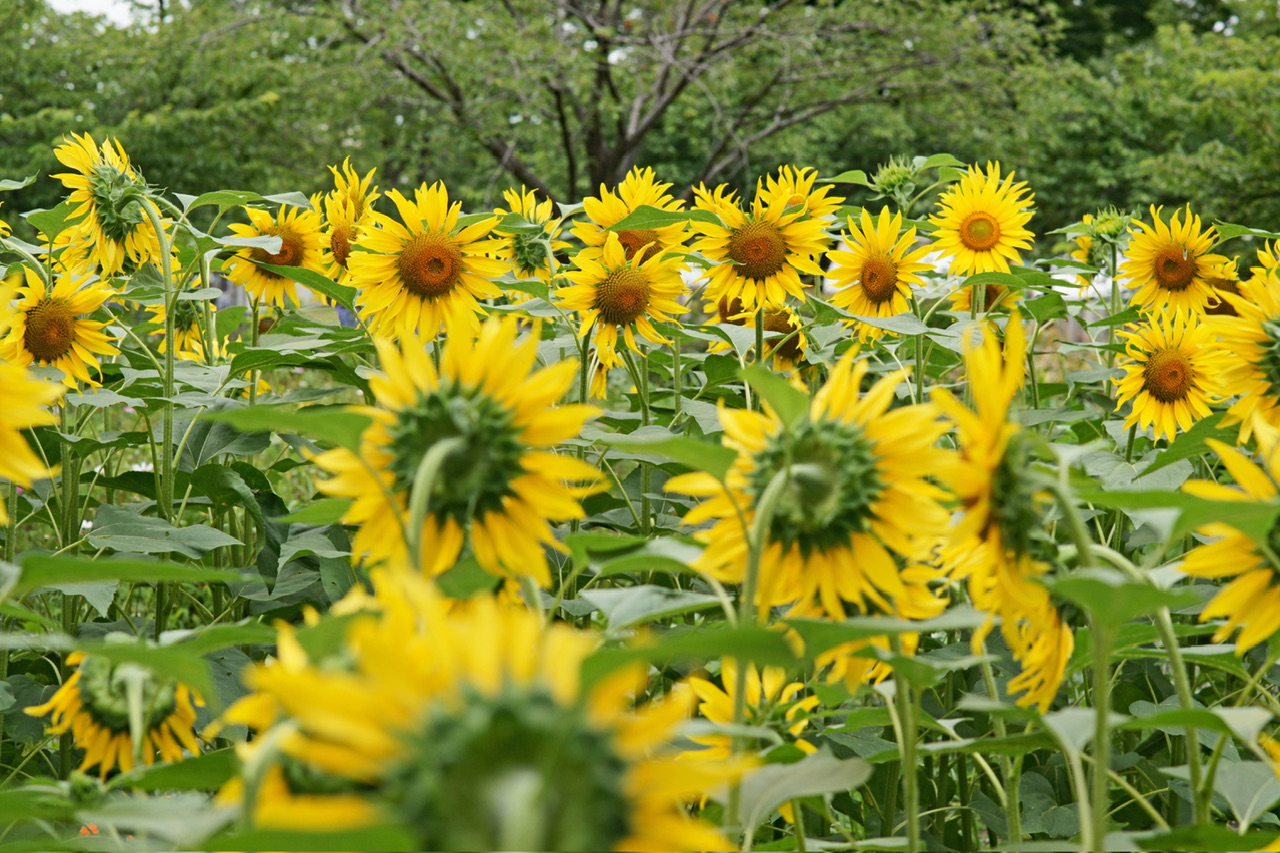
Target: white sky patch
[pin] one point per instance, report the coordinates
(116, 11)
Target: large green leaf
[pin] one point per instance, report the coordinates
(787, 401)
(321, 284)
(125, 530)
(664, 445)
(639, 604)
(766, 788)
(336, 424)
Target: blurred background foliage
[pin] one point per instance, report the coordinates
(1094, 102)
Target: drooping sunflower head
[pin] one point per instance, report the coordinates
(1172, 374)
(492, 423)
(52, 327)
(876, 274)
(615, 294)
(528, 245)
(426, 272)
(119, 712)
(788, 344)
(302, 244)
(469, 725)
(1168, 263)
(760, 254)
(846, 490)
(794, 186)
(981, 225)
(346, 209)
(639, 187)
(109, 223)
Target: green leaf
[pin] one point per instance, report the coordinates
(766, 788)
(712, 641)
(666, 554)
(646, 217)
(902, 324)
(175, 662)
(1205, 838)
(322, 284)
(1193, 442)
(50, 222)
(1249, 787)
(1113, 598)
(639, 604)
(45, 570)
(1074, 727)
(1253, 519)
(7, 184)
(200, 773)
(715, 459)
(1002, 279)
(1229, 231)
(374, 839)
(531, 286)
(124, 530)
(224, 199)
(942, 159)
(324, 511)
(1049, 306)
(821, 635)
(336, 424)
(790, 403)
(853, 176)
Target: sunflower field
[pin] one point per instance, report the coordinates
(752, 520)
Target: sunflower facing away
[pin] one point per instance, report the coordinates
(1252, 336)
(301, 245)
(346, 210)
(981, 224)
(467, 724)
(616, 294)
(993, 547)
(526, 249)
(1168, 263)
(52, 327)
(109, 226)
(1251, 600)
(875, 276)
(94, 705)
(639, 187)
(502, 484)
(759, 254)
(1172, 374)
(856, 494)
(425, 273)
(787, 345)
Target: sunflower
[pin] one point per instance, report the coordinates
(614, 293)
(1251, 601)
(301, 245)
(639, 187)
(346, 211)
(856, 493)
(1252, 336)
(52, 327)
(876, 274)
(94, 705)
(469, 726)
(1084, 250)
(981, 224)
(529, 248)
(5, 231)
(109, 224)
(503, 483)
(188, 327)
(993, 544)
(1172, 373)
(795, 187)
(759, 254)
(1168, 264)
(788, 346)
(427, 273)
(1223, 278)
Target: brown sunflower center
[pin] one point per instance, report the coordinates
(759, 250)
(340, 243)
(430, 265)
(289, 254)
(731, 311)
(979, 231)
(879, 279)
(1167, 376)
(779, 321)
(1220, 286)
(622, 296)
(51, 329)
(1175, 268)
(634, 241)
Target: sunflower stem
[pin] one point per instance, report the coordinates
(640, 374)
(11, 529)
(165, 491)
(760, 336)
(1101, 731)
(907, 749)
(1010, 772)
(676, 383)
(1182, 685)
(420, 495)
